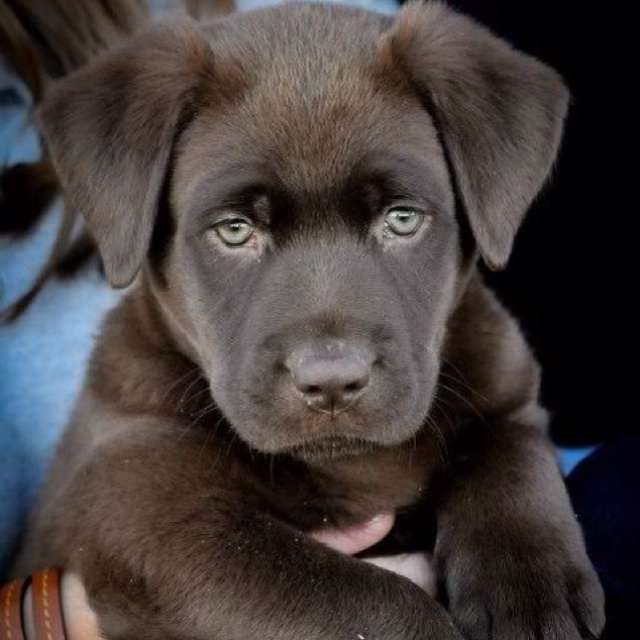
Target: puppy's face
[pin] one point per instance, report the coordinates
(315, 255)
(309, 249)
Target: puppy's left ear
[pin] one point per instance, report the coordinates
(110, 129)
(499, 111)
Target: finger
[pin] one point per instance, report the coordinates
(355, 539)
(80, 621)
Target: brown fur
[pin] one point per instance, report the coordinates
(190, 474)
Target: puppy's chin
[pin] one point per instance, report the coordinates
(313, 436)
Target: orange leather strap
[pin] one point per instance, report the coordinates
(11, 611)
(47, 605)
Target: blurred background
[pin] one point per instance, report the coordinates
(575, 265)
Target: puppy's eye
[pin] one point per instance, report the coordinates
(403, 221)
(235, 232)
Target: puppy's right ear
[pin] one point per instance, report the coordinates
(110, 130)
(500, 113)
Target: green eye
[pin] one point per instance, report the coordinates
(235, 232)
(403, 221)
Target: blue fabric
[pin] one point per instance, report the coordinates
(42, 363)
(384, 6)
(18, 140)
(43, 355)
(571, 458)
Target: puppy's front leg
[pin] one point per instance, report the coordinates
(509, 547)
(170, 541)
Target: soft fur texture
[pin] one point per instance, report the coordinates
(196, 460)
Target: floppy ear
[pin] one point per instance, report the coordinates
(110, 130)
(499, 111)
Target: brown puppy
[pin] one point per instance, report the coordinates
(303, 192)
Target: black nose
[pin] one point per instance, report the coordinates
(330, 377)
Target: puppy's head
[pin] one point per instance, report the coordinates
(289, 179)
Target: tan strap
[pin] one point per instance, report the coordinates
(47, 605)
(11, 613)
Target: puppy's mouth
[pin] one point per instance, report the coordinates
(331, 448)
(346, 423)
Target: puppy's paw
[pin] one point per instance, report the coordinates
(516, 588)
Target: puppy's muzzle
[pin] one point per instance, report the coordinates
(330, 375)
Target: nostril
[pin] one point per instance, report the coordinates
(310, 389)
(356, 385)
